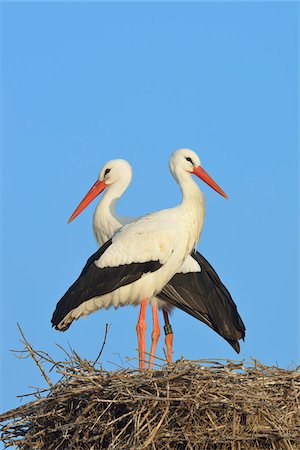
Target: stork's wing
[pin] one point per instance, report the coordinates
(134, 250)
(150, 238)
(202, 294)
(94, 281)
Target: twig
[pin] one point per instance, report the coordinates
(154, 432)
(33, 355)
(103, 344)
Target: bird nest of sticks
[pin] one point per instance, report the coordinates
(204, 404)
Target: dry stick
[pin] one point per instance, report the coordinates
(32, 353)
(65, 351)
(233, 422)
(154, 432)
(295, 393)
(104, 342)
(145, 417)
(103, 412)
(142, 427)
(156, 357)
(121, 432)
(165, 353)
(118, 419)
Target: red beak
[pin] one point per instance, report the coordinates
(205, 177)
(95, 190)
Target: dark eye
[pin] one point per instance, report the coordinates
(189, 159)
(106, 172)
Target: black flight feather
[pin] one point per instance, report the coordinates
(204, 296)
(94, 282)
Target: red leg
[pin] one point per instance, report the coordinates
(169, 337)
(141, 334)
(155, 334)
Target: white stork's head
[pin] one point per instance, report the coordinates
(185, 162)
(116, 171)
(116, 174)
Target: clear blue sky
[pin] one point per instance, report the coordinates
(86, 82)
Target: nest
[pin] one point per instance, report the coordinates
(190, 405)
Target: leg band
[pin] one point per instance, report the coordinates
(168, 329)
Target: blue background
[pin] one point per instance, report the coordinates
(85, 83)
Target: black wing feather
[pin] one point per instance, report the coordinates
(204, 296)
(94, 282)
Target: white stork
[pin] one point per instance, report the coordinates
(142, 257)
(204, 295)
